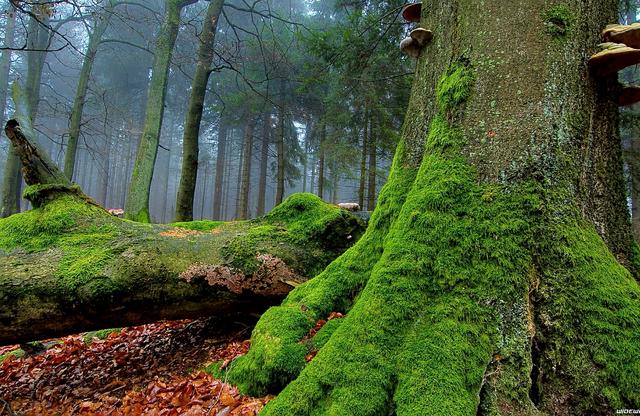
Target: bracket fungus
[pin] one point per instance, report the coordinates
(628, 95)
(613, 58)
(626, 34)
(418, 39)
(412, 12)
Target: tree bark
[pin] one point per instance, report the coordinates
(247, 157)
(373, 170)
(37, 39)
(5, 60)
(137, 206)
(190, 148)
(363, 159)
(497, 273)
(220, 166)
(100, 26)
(321, 151)
(280, 168)
(264, 160)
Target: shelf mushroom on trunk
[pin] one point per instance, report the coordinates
(620, 50)
(419, 37)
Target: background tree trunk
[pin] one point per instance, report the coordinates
(220, 166)
(484, 283)
(280, 168)
(373, 170)
(38, 41)
(247, 157)
(190, 150)
(264, 160)
(100, 26)
(137, 206)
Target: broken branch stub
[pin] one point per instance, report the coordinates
(37, 167)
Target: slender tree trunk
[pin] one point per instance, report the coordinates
(5, 60)
(190, 148)
(247, 157)
(220, 167)
(323, 138)
(492, 278)
(264, 160)
(308, 134)
(105, 173)
(137, 207)
(363, 159)
(100, 26)
(280, 146)
(373, 170)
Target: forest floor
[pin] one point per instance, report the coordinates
(152, 369)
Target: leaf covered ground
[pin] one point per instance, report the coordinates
(150, 369)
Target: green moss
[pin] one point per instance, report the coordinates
(559, 20)
(203, 226)
(43, 227)
(325, 333)
(15, 353)
(100, 335)
(591, 327)
(306, 217)
(276, 357)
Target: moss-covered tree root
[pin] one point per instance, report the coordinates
(68, 266)
(487, 298)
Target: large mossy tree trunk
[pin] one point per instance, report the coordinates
(497, 272)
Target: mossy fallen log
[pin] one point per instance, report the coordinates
(69, 266)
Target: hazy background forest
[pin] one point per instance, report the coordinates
(321, 83)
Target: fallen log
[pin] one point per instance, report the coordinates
(69, 266)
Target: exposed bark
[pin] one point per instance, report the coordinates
(247, 157)
(37, 167)
(137, 206)
(220, 167)
(264, 160)
(321, 161)
(373, 170)
(37, 39)
(280, 133)
(492, 278)
(5, 60)
(190, 145)
(363, 159)
(100, 25)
